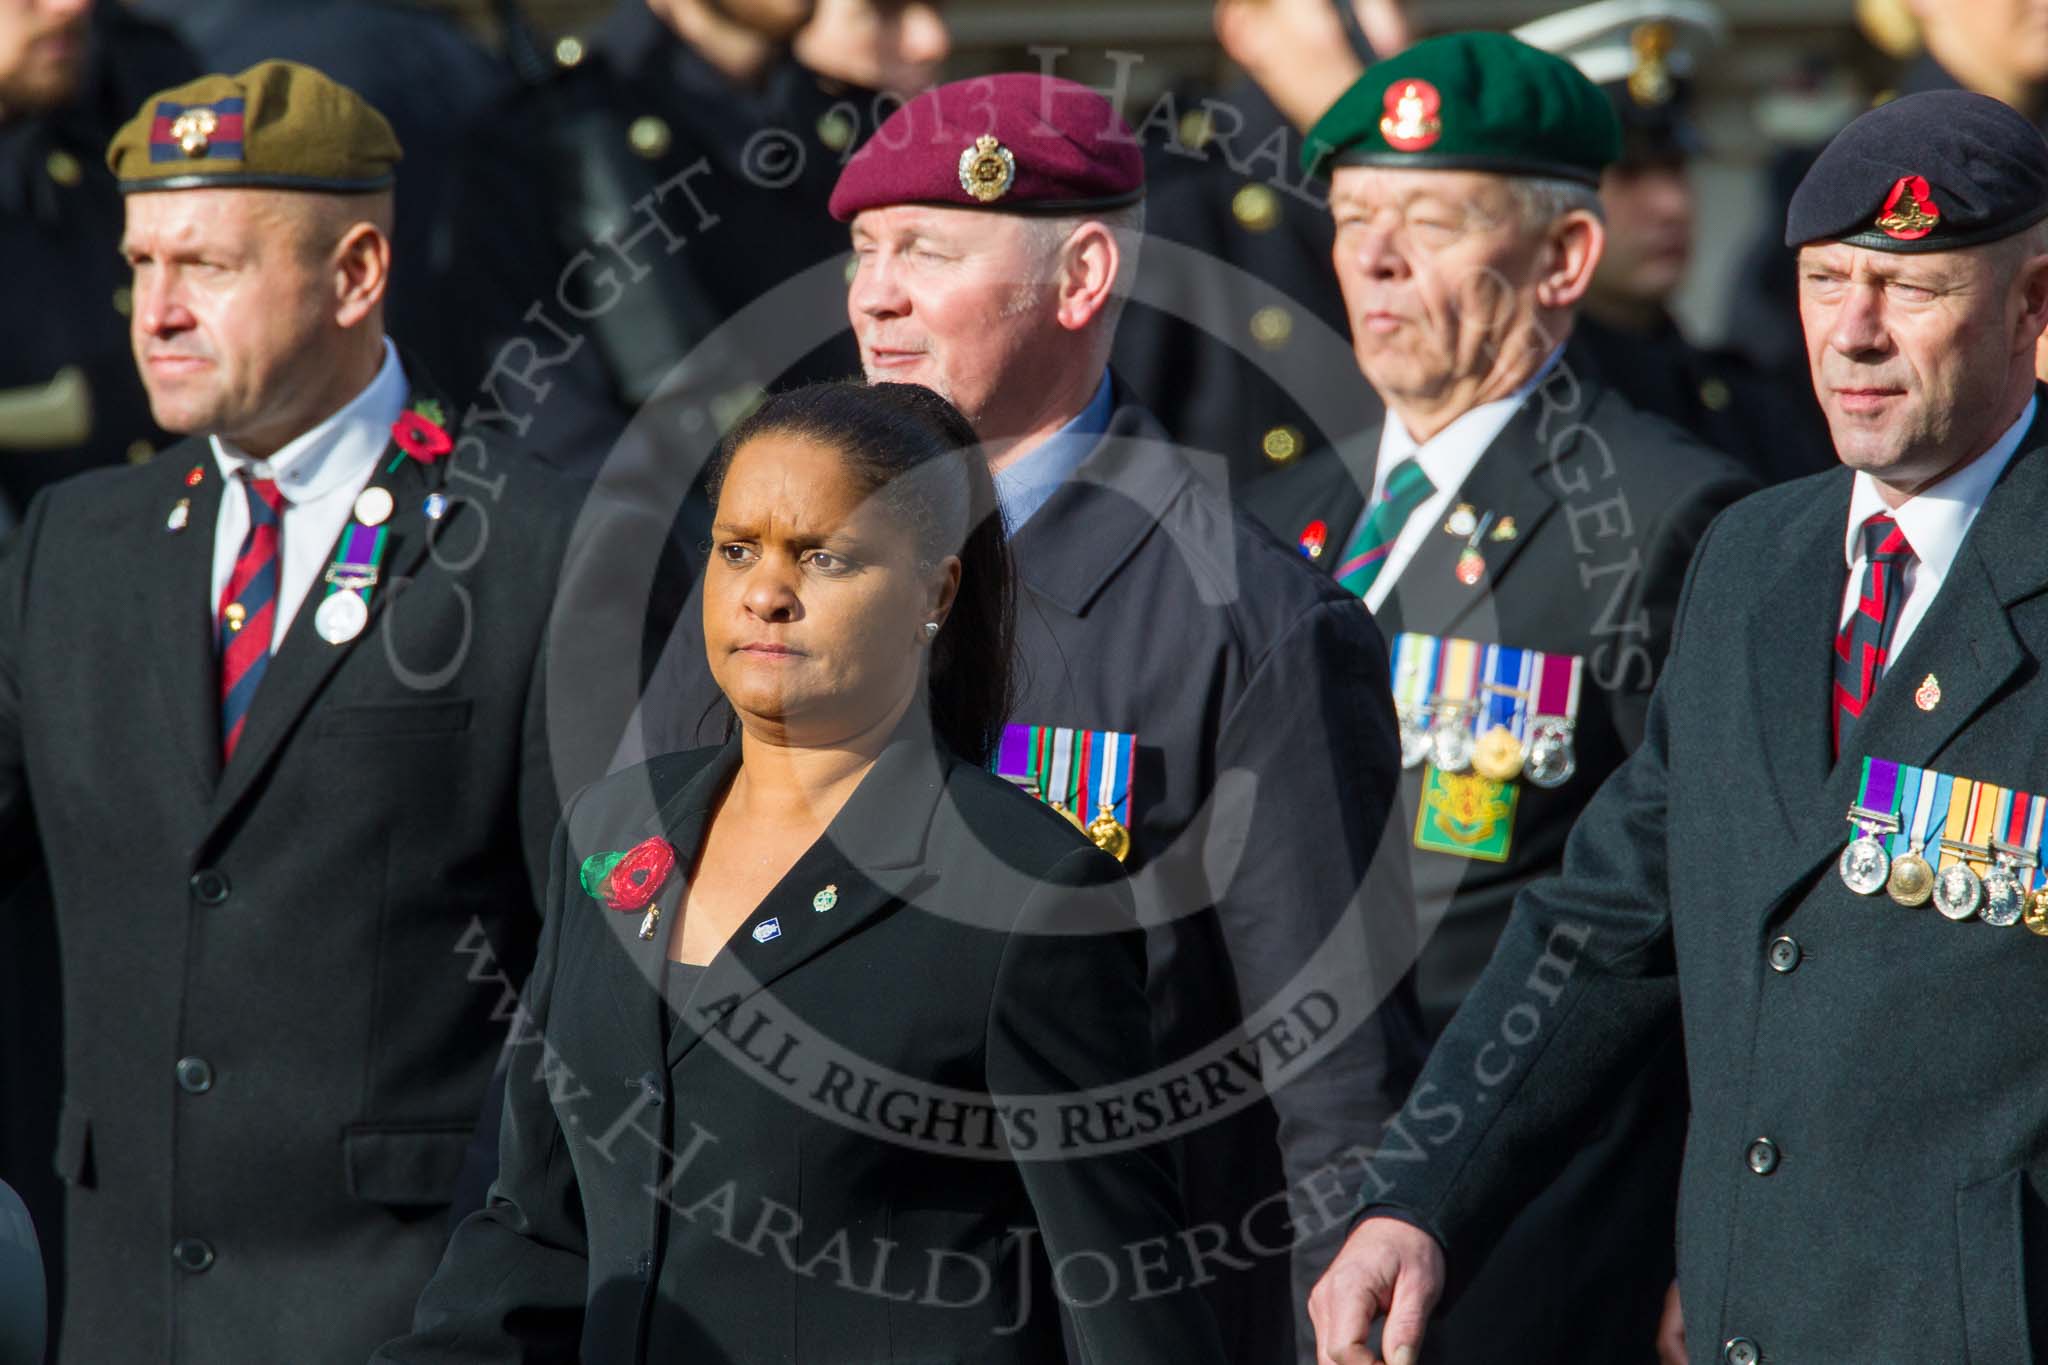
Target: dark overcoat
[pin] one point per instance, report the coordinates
(1606, 505)
(852, 1144)
(284, 979)
(1864, 1167)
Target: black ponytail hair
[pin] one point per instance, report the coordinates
(915, 452)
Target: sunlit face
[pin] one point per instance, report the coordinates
(814, 600)
(952, 299)
(234, 324)
(1910, 354)
(1437, 272)
(1649, 232)
(42, 51)
(893, 46)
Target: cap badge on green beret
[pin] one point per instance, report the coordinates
(987, 169)
(1909, 211)
(1410, 122)
(194, 132)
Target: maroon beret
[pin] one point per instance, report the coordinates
(1016, 142)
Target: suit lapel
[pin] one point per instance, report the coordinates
(1511, 489)
(1965, 640)
(1793, 619)
(870, 859)
(173, 588)
(303, 661)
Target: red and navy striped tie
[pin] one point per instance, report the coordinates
(248, 611)
(1864, 645)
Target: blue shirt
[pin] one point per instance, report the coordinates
(1023, 487)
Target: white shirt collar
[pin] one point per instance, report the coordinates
(340, 449)
(1936, 519)
(1449, 456)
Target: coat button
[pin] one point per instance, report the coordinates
(643, 1265)
(1784, 953)
(1763, 1156)
(195, 1077)
(650, 1085)
(1741, 1351)
(209, 886)
(192, 1254)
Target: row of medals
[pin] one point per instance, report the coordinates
(1998, 897)
(1446, 740)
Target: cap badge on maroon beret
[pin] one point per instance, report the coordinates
(987, 169)
(1410, 123)
(1909, 211)
(193, 129)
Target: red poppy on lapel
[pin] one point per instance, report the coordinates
(421, 436)
(628, 881)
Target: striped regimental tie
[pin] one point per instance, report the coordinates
(1864, 645)
(248, 610)
(1407, 489)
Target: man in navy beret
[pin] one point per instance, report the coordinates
(1825, 859)
(993, 221)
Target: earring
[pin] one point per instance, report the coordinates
(931, 630)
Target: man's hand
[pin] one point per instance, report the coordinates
(1671, 1330)
(1387, 1268)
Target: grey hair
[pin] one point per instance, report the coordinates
(1047, 235)
(1542, 200)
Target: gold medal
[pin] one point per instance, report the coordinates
(2036, 917)
(1110, 835)
(1497, 755)
(1911, 882)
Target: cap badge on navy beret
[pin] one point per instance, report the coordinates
(190, 132)
(1410, 123)
(987, 169)
(1909, 211)
(1649, 78)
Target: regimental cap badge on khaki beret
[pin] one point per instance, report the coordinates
(1015, 142)
(1469, 101)
(278, 125)
(1937, 171)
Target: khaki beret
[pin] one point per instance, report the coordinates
(278, 125)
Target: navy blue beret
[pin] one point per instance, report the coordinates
(1929, 172)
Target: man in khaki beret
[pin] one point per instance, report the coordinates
(270, 702)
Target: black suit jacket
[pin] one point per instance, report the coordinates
(282, 979)
(1890, 1064)
(1266, 766)
(1608, 504)
(809, 1165)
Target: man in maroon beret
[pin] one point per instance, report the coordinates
(993, 224)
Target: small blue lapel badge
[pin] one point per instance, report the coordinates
(767, 929)
(825, 899)
(437, 506)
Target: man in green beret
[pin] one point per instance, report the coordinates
(267, 704)
(1520, 534)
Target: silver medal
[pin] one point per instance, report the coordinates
(1551, 760)
(1450, 743)
(2005, 897)
(1865, 865)
(341, 617)
(1957, 891)
(1415, 741)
